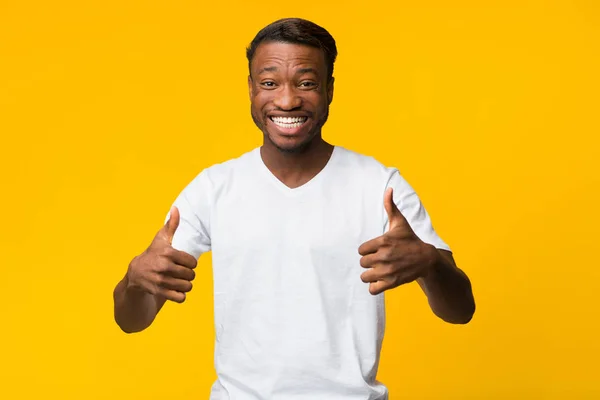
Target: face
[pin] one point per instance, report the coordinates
(290, 94)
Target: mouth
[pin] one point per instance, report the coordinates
(288, 122)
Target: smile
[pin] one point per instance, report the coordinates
(289, 122)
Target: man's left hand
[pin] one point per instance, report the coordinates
(398, 256)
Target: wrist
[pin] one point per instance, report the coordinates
(432, 261)
(131, 286)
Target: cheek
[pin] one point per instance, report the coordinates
(259, 101)
(257, 104)
(319, 101)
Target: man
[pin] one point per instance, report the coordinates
(306, 236)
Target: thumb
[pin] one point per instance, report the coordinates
(395, 217)
(172, 223)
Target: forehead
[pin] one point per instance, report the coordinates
(288, 55)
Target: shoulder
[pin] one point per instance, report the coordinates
(364, 165)
(224, 169)
(214, 176)
(210, 181)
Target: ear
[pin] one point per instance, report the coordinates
(330, 90)
(250, 87)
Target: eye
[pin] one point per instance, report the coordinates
(307, 84)
(268, 84)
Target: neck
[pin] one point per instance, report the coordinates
(295, 168)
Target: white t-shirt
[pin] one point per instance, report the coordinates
(293, 319)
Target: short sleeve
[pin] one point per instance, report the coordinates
(194, 204)
(409, 204)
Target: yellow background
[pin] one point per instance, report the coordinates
(490, 110)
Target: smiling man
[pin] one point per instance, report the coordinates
(305, 236)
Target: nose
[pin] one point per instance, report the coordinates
(287, 98)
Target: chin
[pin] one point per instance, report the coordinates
(291, 150)
(290, 147)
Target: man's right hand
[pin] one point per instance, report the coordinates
(161, 270)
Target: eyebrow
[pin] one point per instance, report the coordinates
(299, 72)
(267, 69)
(306, 71)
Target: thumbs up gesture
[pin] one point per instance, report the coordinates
(398, 256)
(160, 269)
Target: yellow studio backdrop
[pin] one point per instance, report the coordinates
(489, 109)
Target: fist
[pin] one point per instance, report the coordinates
(398, 256)
(162, 270)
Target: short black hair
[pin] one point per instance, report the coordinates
(296, 31)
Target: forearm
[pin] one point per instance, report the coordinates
(134, 309)
(448, 290)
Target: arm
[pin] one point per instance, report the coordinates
(399, 256)
(448, 289)
(158, 274)
(135, 309)
(165, 270)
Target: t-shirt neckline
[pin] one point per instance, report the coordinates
(302, 188)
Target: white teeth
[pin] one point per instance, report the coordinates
(289, 122)
(286, 121)
(296, 125)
